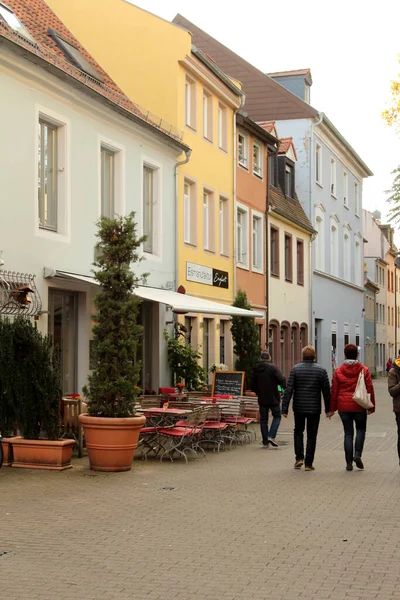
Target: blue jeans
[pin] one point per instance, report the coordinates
(276, 419)
(348, 420)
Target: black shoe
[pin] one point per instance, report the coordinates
(273, 443)
(349, 467)
(359, 462)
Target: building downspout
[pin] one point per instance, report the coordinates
(242, 101)
(178, 164)
(312, 321)
(274, 152)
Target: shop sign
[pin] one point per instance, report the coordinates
(207, 275)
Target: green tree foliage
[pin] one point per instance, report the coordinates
(31, 380)
(394, 198)
(246, 339)
(116, 334)
(183, 360)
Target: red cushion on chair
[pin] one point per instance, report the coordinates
(180, 431)
(215, 425)
(167, 390)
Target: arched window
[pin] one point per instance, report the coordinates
(358, 262)
(320, 244)
(334, 251)
(273, 341)
(346, 257)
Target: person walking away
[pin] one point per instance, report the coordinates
(344, 385)
(389, 365)
(394, 391)
(265, 381)
(307, 380)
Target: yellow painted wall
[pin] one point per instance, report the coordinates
(138, 50)
(141, 53)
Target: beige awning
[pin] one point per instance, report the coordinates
(179, 303)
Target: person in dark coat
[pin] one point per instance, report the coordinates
(306, 382)
(394, 391)
(344, 385)
(264, 383)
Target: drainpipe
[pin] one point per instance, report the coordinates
(178, 164)
(242, 101)
(313, 125)
(274, 152)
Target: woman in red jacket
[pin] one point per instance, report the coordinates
(343, 387)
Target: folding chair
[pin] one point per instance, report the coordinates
(185, 436)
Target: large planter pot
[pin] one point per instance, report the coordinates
(111, 443)
(53, 455)
(8, 450)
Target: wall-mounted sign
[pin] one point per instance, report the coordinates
(207, 275)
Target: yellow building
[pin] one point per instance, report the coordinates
(155, 64)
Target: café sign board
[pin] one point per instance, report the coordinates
(207, 275)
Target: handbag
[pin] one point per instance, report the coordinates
(361, 396)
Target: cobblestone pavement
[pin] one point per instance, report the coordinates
(239, 525)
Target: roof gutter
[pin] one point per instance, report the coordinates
(217, 71)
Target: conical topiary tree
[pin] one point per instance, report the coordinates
(246, 339)
(111, 387)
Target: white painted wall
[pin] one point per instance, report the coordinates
(27, 89)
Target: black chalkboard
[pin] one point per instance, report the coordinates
(230, 383)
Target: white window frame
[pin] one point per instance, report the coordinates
(320, 240)
(318, 163)
(333, 187)
(243, 158)
(345, 189)
(243, 231)
(258, 166)
(187, 209)
(222, 127)
(334, 242)
(119, 174)
(156, 167)
(358, 264)
(357, 198)
(259, 218)
(190, 102)
(208, 121)
(346, 255)
(206, 219)
(223, 214)
(63, 232)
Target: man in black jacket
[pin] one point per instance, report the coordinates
(306, 382)
(265, 381)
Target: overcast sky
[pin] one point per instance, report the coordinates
(351, 50)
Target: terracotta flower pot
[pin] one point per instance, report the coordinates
(111, 443)
(42, 454)
(8, 451)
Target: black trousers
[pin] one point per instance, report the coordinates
(398, 432)
(300, 422)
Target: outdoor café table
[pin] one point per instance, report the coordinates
(158, 417)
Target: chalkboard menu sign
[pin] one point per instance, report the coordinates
(229, 383)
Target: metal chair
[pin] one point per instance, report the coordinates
(185, 436)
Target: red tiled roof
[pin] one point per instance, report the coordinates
(266, 99)
(38, 18)
(285, 145)
(267, 125)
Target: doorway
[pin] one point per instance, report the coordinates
(62, 327)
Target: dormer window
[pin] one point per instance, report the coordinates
(289, 181)
(15, 24)
(75, 56)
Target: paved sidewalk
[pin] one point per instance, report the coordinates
(241, 525)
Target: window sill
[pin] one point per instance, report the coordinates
(319, 184)
(276, 275)
(191, 244)
(192, 129)
(301, 283)
(242, 266)
(258, 175)
(206, 139)
(346, 206)
(225, 150)
(258, 270)
(357, 215)
(333, 196)
(288, 280)
(209, 250)
(243, 166)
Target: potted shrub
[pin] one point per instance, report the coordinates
(246, 339)
(8, 417)
(183, 360)
(110, 426)
(35, 392)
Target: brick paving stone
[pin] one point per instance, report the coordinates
(241, 524)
